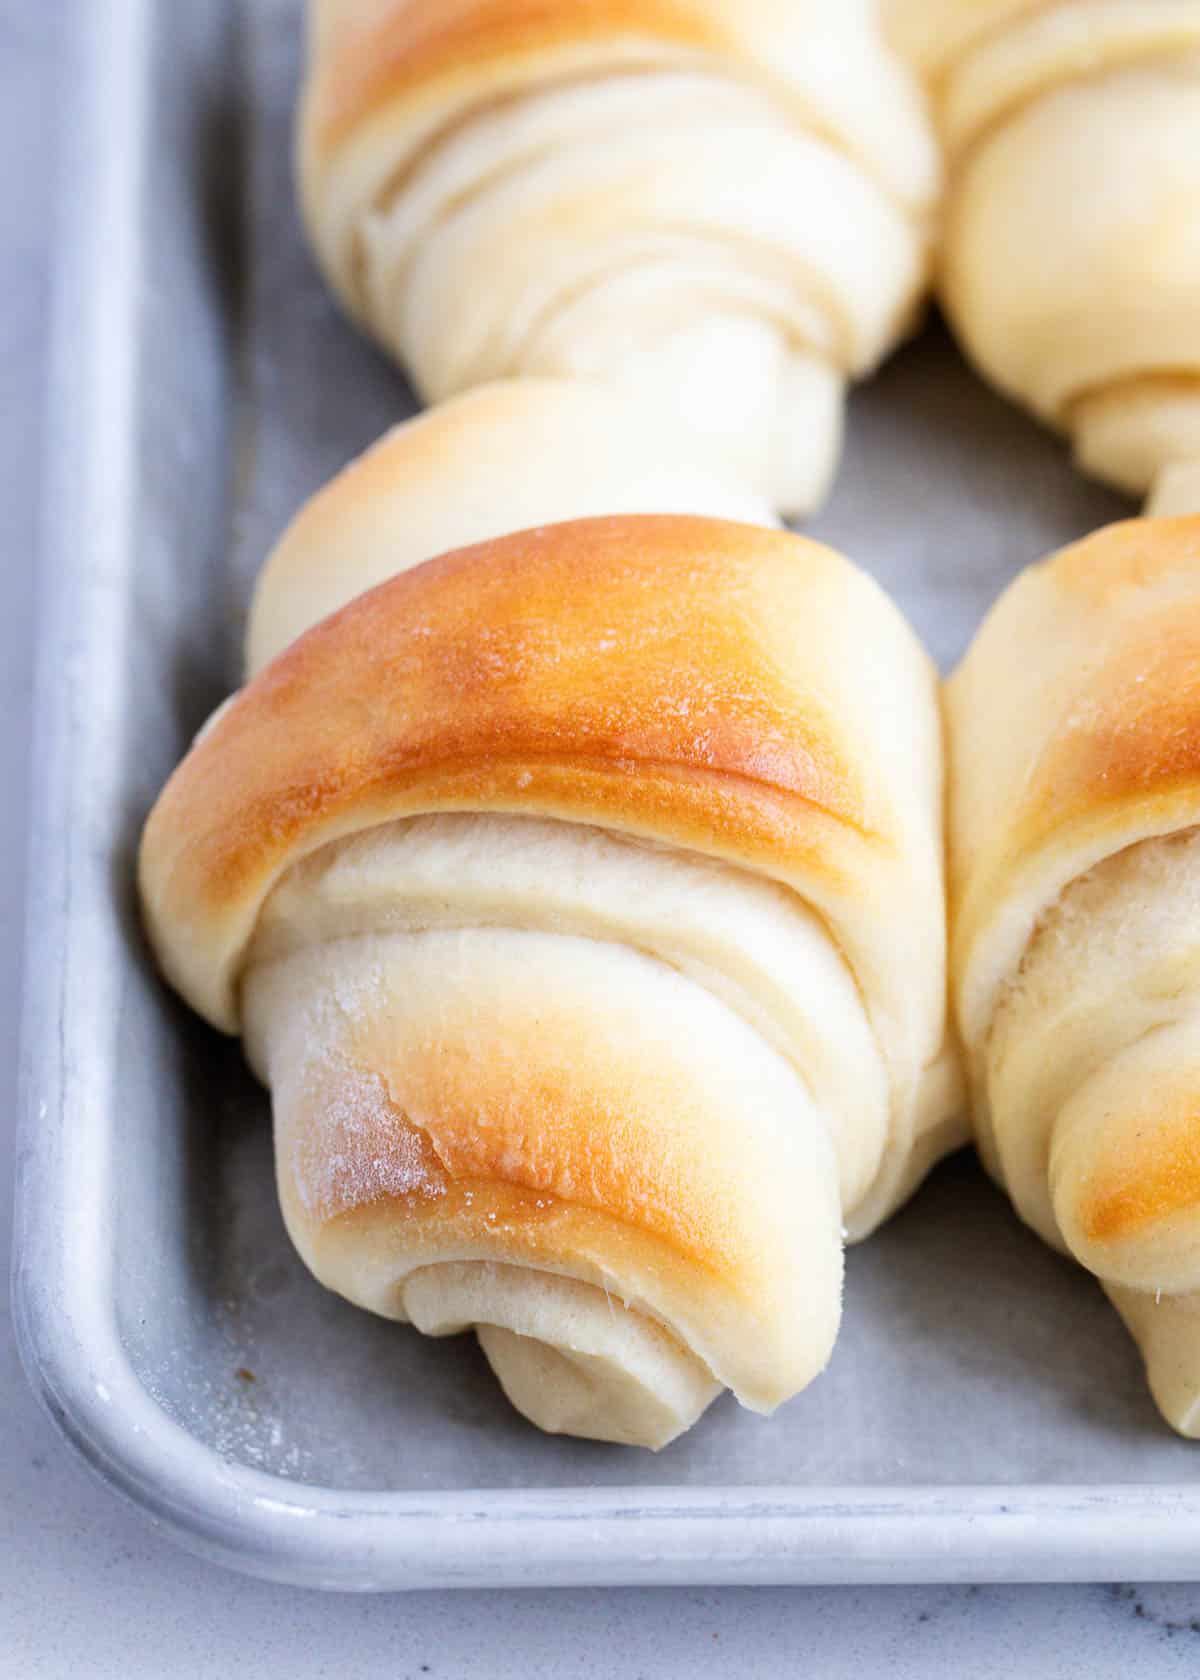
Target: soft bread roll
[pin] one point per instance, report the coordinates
(500, 458)
(1075, 869)
(1071, 262)
(579, 897)
(1177, 491)
(722, 205)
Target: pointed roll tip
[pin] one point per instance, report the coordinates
(1166, 1329)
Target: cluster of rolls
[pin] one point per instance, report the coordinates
(571, 861)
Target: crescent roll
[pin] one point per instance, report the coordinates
(578, 894)
(723, 205)
(1071, 262)
(499, 458)
(1075, 867)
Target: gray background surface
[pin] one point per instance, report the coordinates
(87, 1589)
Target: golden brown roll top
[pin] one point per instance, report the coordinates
(499, 458)
(1071, 265)
(457, 1101)
(722, 207)
(579, 895)
(1072, 719)
(680, 679)
(410, 57)
(1075, 871)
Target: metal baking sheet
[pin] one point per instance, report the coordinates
(984, 1417)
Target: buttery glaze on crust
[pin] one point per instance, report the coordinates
(477, 1191)
(575, 1082)
(1125, 558)
(636, 673)
(499, 458)
(1113, 751)
(591, 1135)
(502, 1097)
(538, 1163)
(1075, 858)
(409, 46)
(1158, 1178)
